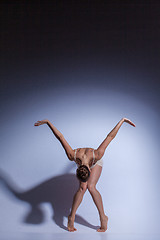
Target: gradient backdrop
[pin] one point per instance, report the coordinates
(83, 65)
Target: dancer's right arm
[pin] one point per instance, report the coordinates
(69, 151)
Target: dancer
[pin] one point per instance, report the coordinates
(89, 162)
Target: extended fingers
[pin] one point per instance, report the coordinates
(131, 123)
(38, 123)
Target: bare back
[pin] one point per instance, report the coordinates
(84, 156)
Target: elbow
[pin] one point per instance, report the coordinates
(70, 155)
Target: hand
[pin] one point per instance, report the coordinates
(129, 121)
(38, 123)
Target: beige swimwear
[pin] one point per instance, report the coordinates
(99, 162)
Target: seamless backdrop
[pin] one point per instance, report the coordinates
(83, 65)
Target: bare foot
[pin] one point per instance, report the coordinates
(70, 226)
(104, 222)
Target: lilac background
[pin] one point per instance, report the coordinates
(83, 66)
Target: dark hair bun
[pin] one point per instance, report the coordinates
(83, 173)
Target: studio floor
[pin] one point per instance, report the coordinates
(76, 236)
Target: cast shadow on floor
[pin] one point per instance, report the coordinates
(58, 191)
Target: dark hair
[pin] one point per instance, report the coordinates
(83, 173)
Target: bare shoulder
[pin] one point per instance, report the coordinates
(98, 154)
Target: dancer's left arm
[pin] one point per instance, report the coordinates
(99, 152)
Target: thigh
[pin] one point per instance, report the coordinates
(94, 175)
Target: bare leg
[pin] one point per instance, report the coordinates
(95, 174)
(76, 202)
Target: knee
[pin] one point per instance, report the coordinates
(91, 187)
(83, 188)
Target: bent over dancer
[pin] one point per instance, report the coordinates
(89, 162)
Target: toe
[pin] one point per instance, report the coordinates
(72, 229)
(100, 230)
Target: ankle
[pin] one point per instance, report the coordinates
(103, 217)
(71, 217)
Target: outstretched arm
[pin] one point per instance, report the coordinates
(69, 151)
(99, 152)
